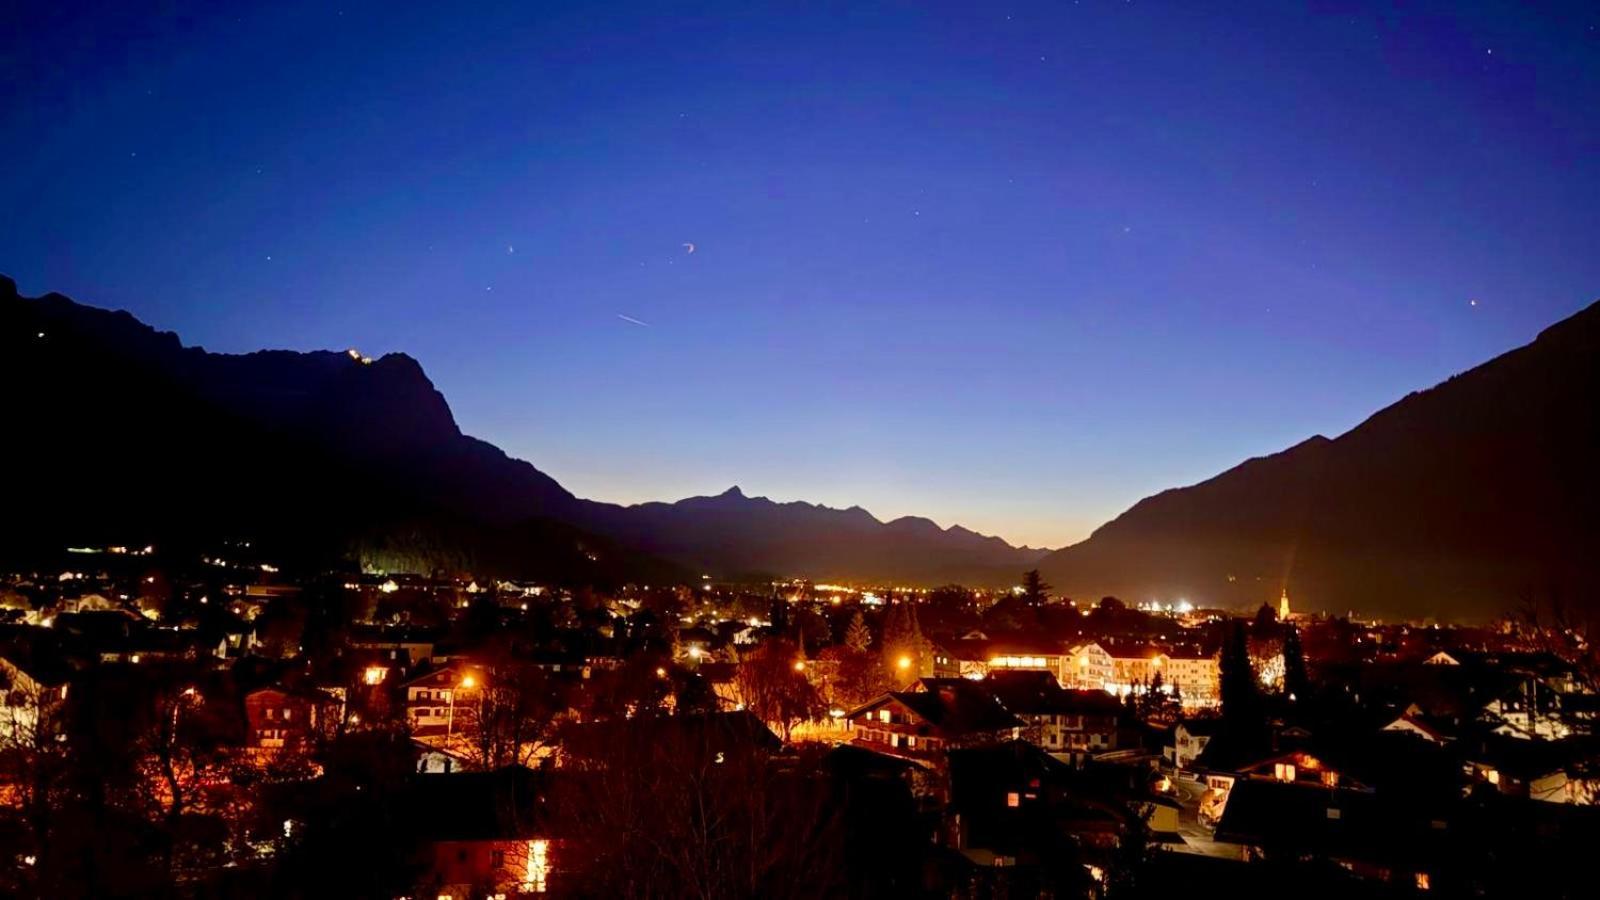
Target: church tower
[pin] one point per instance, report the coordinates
(1283, 606)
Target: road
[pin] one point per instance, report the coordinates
(1196, 836)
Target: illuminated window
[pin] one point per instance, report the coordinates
(538, 867)
(883, 715)
(1493, 775)
(1283, 771)
(1013, 800)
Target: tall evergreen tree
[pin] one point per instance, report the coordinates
(779, 614)
(1241, 703)
(858, 636)
(1296, 682)
(1035, 592)
(903, 640)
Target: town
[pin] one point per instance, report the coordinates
(218, 727)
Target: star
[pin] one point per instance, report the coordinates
(510, 249)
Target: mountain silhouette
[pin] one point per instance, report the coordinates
(1466, 500)
(123, 435)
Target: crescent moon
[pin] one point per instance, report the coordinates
(689, 247)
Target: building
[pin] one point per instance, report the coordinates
(1195, 675)
(432, 698)
(32, 686)
(1134, 666)
(283, 718)
(935, 716)
(1189, 739)
(1062, 722)
(481, 834)
(1088, 667)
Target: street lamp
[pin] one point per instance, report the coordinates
(468, 682)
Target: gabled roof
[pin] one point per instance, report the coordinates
(1339, 823)
(300, 691)
(957, 706)
(476, 806)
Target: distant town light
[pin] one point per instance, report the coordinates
(374, 674)
(904, 662)
(799, 665)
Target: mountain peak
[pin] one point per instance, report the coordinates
(732, 493)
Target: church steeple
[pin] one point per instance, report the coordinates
(1283, 606)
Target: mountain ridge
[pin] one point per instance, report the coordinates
(1466, 498)
(385, 419)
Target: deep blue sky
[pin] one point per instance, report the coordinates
(1013, 266)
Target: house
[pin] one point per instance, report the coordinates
(431, 699)
(282, 718)
(1361, 831)
(481, 834)
(1189, 739)
(33, 684)
(1412, 722)
(1001, 797)
(1528, 709)
(935, 716)
(1550, 771)
(403, 647)
(1059, 721)
(433, 759)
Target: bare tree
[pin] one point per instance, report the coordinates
(773, 685)
(694, 808)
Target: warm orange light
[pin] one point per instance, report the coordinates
(661, 672)
(904, 662)
(799, 665)
(374, 674)
(468, 681)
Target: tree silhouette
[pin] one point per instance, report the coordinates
(858, 636)
(1035, 592)
(1296, 682)
(773, 685)
(1241, 702)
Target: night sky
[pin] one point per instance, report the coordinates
(1013, 266)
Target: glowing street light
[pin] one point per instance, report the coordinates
(468, 682)
(904, 663)
(799, 665)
